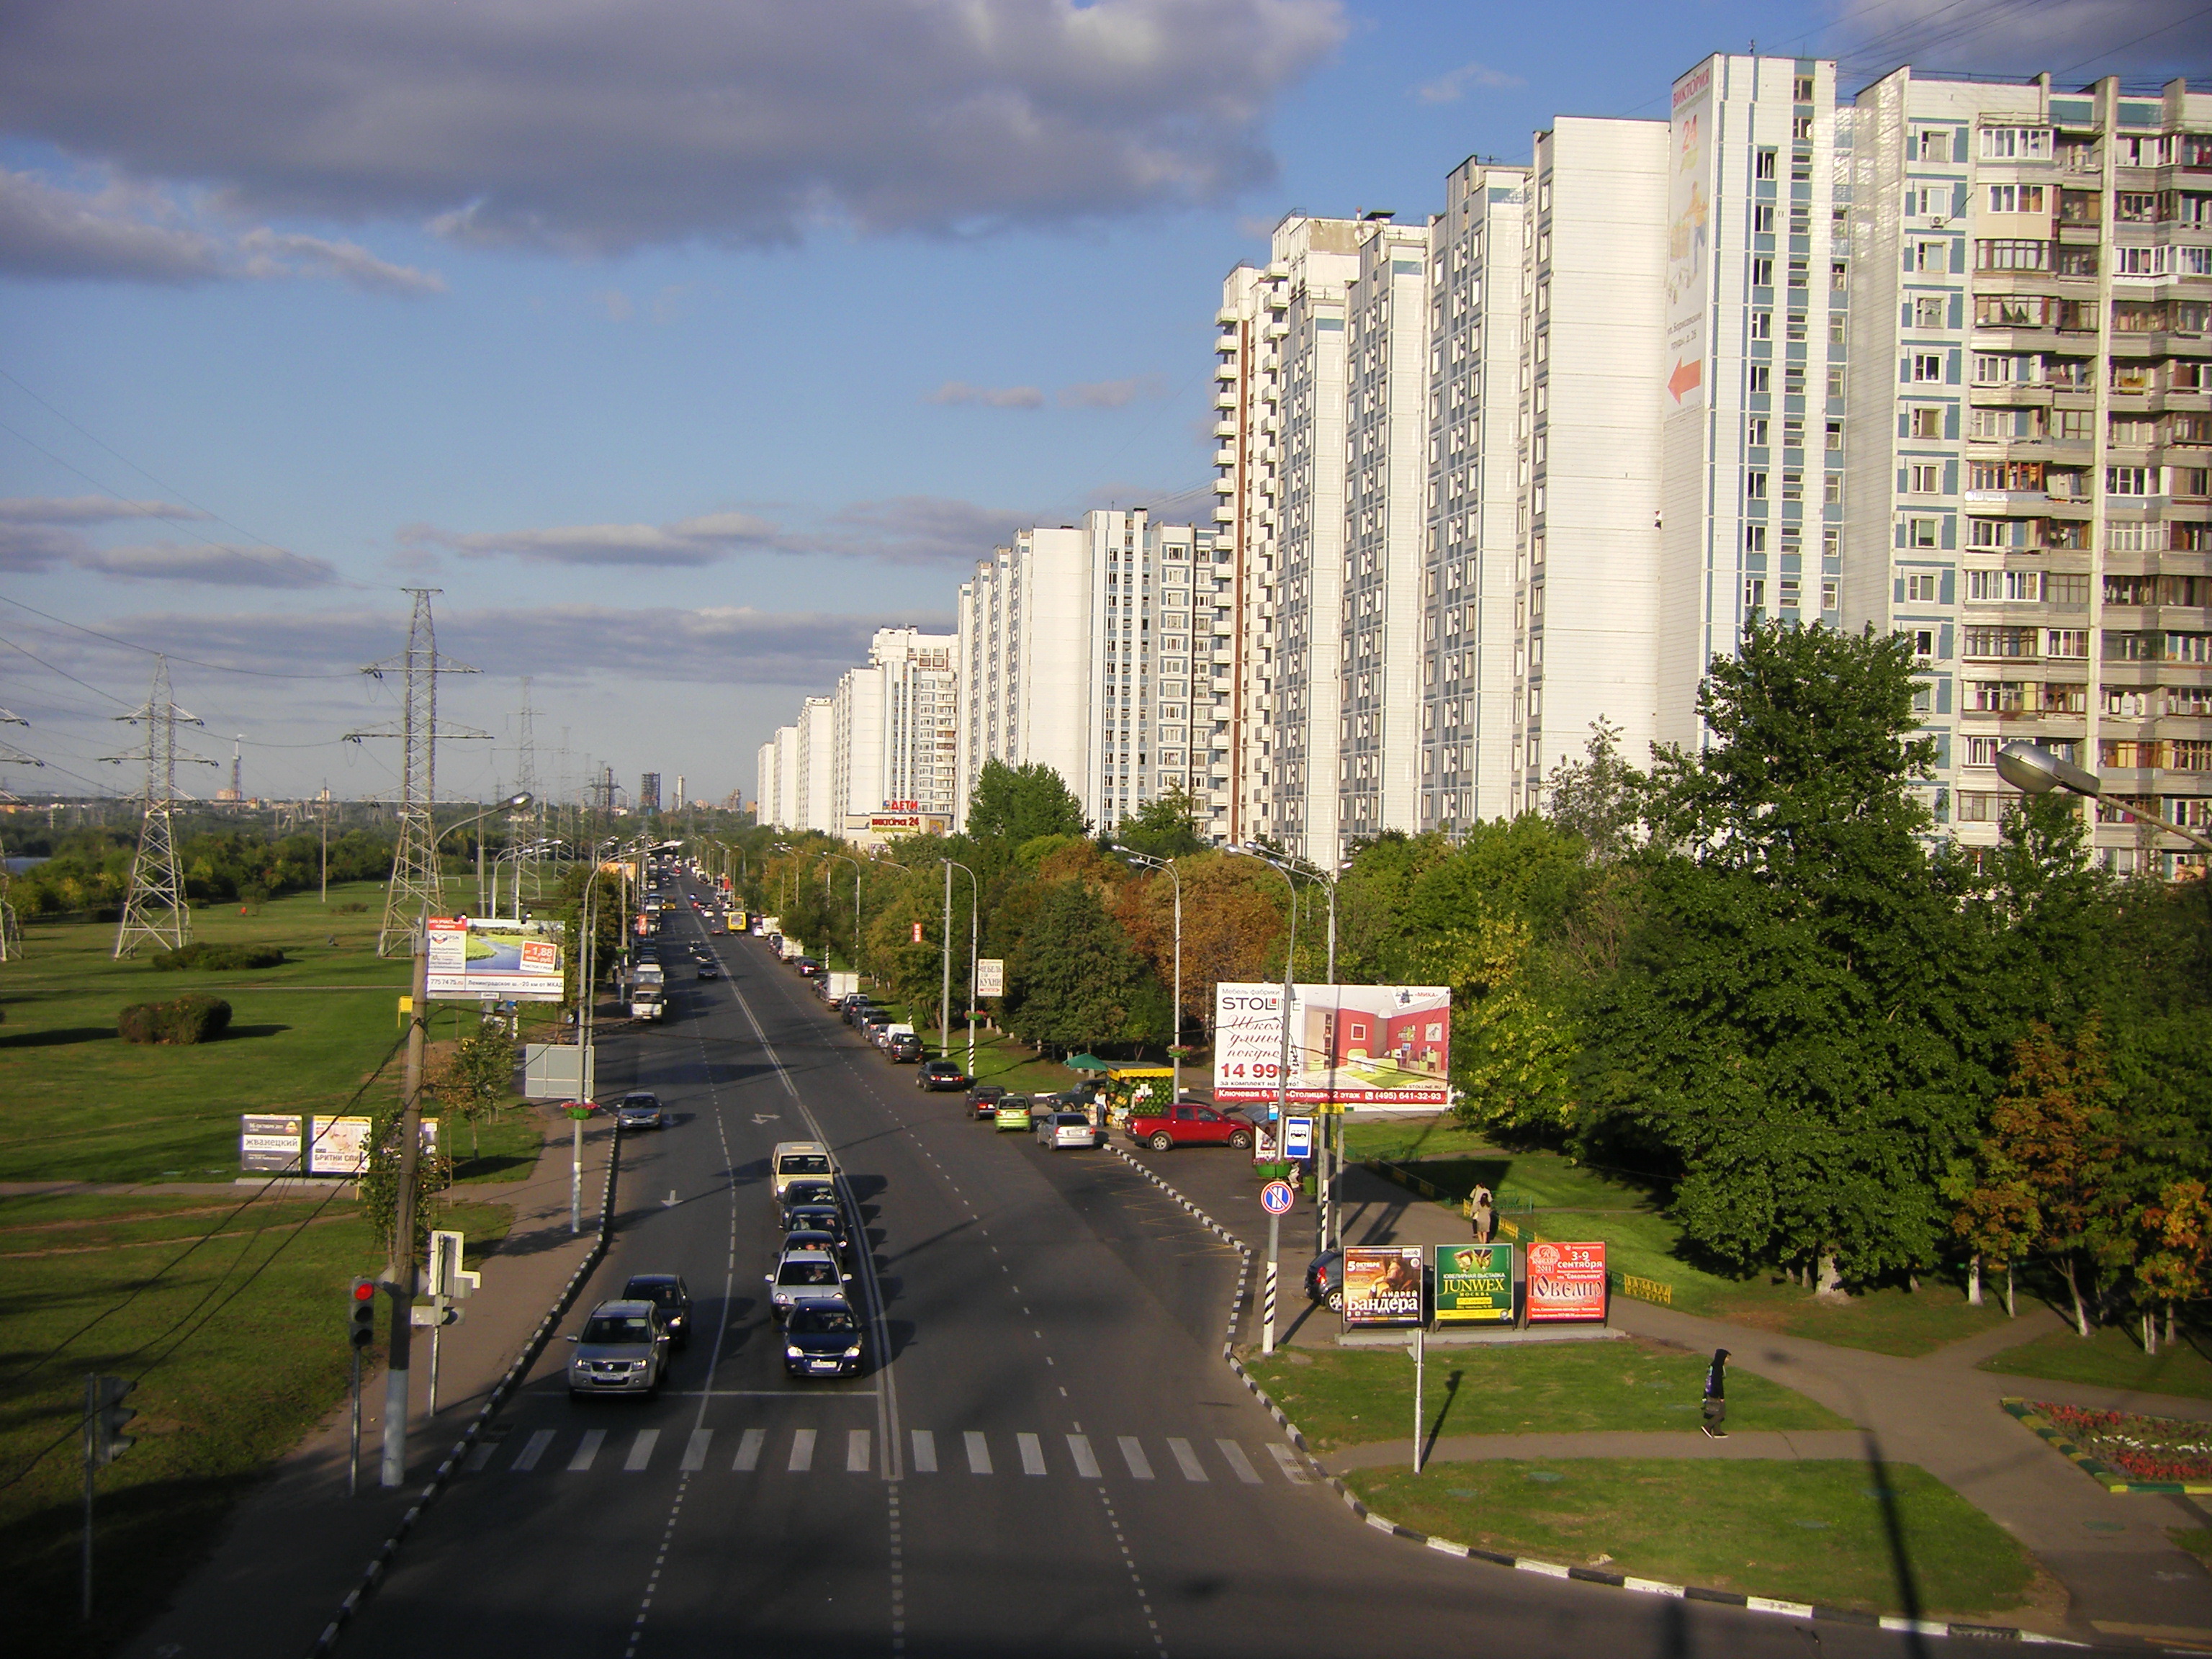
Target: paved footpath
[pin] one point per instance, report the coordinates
(2113, 1552)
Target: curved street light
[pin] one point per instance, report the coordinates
(2034, 771)
(1175, 1043)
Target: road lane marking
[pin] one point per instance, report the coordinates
(1078, 1448)
(526, 1459)
(979, 1453)
(480, 1456)
(695, 1450)
(857, 1461)
(1236, 1460)
(749, 1451)
(1032, 1453)
(587, 1451)
(924, 1452)
(1133, 1454)
(641, 1450)
(802, 1451)
(1288, 1461)
(1186, 1459)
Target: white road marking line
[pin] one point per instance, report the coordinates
(924, 1452)
(1133, 1454)
(1032, 1453)
(480, 1454)
(641, 1450)
(749, 1451)
(1288, 1461)
(1235, 1454)
(587, 1451)
(527, 1460)
(979, 1453)
(857, 1461)
(802, 1451)
(1187, 1460)
(1078, 1448)
(695, 1450)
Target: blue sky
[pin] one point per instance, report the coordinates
(681, 342)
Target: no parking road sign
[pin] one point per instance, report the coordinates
(1276, 1198)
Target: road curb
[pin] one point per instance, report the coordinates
(375, 1573)
(1802, 1610)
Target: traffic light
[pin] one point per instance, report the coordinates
(363, 1313)
(105, 1417)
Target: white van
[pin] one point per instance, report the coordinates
(799, 1160)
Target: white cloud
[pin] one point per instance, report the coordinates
(1114, 394)
(90, 509)
(1451, 87)
(603, 125)
(707, 540)
(274, 253)
(213, 565)
(991, 396)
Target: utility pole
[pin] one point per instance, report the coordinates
(154, 908)
(399, 1262)
(416, 891)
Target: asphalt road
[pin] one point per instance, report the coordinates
(1046, 1455)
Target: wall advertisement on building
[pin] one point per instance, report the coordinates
(1351, 1045)
(1382, 1285)
(1474, 1284)
(510, 962)
(1689, 237)
(1566, 1281)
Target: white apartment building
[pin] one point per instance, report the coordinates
(767, 785)
(1585, 582)
(2031, 437)
(1754, 373)
(815, 802)
(1468, 586)
(1247, 524)
(897, 725)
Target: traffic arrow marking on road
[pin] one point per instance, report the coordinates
(671, 1201)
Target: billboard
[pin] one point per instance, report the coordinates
(990, 977)
(1566, 1281)
(340, 1146)
(1474, 1284)
(269, 1141)
(507, 961)
(1351, 1045)
(1382, 1285)
(1689, 236)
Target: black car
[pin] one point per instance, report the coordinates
(808, 966)
(708, 970)
(851, 1006)
(830, 1244)
(810, 1190)
(818, 1218)
(905, 1049)
(1325, 1279)
(983, 1099)
(937, 1075)
(821, 1338)
(667, 1292)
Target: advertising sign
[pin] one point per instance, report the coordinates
(269, 1141)
(339, 1146)
(1351, 1045)
(516, 961)
(1689, 237)
(990, 977)
(1566, 1281)
(1382, 1284)
(1474, 1284)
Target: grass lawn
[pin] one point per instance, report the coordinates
(1559, 1198)
(240, 1348)
(504, 1151)
(1345, 1397)
(2114, 1359)
(1799, 1532)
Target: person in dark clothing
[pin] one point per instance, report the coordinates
(1715, 1411)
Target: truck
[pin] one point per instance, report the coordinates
(841, 985)
(649, 992)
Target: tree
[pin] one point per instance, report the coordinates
(1232, 925)
(1012, 804)
(474, 1080)
(1164, 827)
(2053, 1122)
(1599, 797)
(1073, 982)
(379, 1185)
(2178, 1234)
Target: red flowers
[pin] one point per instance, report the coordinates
(2141, 1448)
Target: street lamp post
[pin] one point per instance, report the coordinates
(1282, 1093)
(2034, 771)
(1175, 1043)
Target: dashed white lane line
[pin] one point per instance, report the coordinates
(1288, 1461)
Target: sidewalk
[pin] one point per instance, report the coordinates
(2112, 1553)
(296, 1544)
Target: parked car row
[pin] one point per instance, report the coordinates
(898, 1040)
(1057, 1121)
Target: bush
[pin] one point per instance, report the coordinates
(213, 956)
(190, 1018)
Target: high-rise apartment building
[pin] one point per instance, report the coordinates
(897, 725)
(767, 808)
(1247, 527)
(2030, 486)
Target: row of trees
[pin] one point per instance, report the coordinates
(90, 869)
(1757, 973)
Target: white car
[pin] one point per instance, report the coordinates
(1059, 1129)
(802, 1275)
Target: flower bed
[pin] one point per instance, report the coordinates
(2141, 1448)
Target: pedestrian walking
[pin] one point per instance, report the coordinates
(1715, 1411)
(1482, 1212)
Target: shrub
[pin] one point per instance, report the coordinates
(190, 1018)
(216, 956)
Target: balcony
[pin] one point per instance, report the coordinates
(1224, 428)
(1224, 400)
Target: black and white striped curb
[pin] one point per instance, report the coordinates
(1805, 1610)
(374, 1573)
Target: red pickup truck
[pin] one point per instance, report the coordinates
(1188, 1124)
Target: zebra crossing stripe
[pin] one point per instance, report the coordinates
(802, 1451)
(695, 1452)
(979, 1453)
(924, 1452)
(749, 1451)
(1078, 1448)
(857, 1461)
(1288, 1461)
(1133, 1454)
(1235, 1455)
(641, 1450)
(1186, 1459)
(526, 1459)
(480, 1456)
(588, 1449)
(1032, 1453)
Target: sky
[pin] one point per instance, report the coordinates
(683, 344)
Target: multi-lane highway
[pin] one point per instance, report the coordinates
(1045, 1454)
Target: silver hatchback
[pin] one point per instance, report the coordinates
(622, 1349)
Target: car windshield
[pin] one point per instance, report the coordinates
(643, 1290)
(806, 1273)
(808, 1192)
(646, 1100)
(618, 1327)
(1070, 1120)
(823, 1321)
(804, 1164)
(818, 1217)
(1007, 1102)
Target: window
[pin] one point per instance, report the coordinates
(1762, 219)
(2016, 198)
(1788, 594)
(2066, 643)
(2004, 586)
(1835, 435)
(1762, 273)
(1923, 478)
(1921, 586)
(1755, 432)
(1762, 167)
(2004, 423)
(1990, 369)
(1828, 595)
(2009, 253)
(1754, 486)
(1762, 377)
(1754, 539)
(1801, 129)
(1801, 89)
(1924, 421)
(1924, 643)
(2130, 480)
(2135, 206)
(1928, 311)
(2008, 475)
(2015, 143)
(1981, 751)
(1920, 532)
(1933, 256)
(2075, 425)
(2011, 311)
(1928, 366)
(1755, 592)
(1934, 145)
(1998, 533)
(1996, 696)
(1762, 324)
(2000, 642)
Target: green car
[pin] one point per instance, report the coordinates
(1014, 1112)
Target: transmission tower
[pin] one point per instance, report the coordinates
(13, 757)
(525, 782)
(155, 907)
(415, 889)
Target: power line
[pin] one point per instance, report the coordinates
(150, 651)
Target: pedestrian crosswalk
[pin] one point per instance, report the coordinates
(1194, 1460)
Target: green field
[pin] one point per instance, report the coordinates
(1345, 1398)
(1800, 1532)
(2112, 1358)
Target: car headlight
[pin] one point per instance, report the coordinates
(794, 1354)
(853, 1352)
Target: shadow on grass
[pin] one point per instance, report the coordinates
(59, 1036)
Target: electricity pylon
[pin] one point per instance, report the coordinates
(525, 782)
(415, 889)
(154, 908)
(11, 756)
